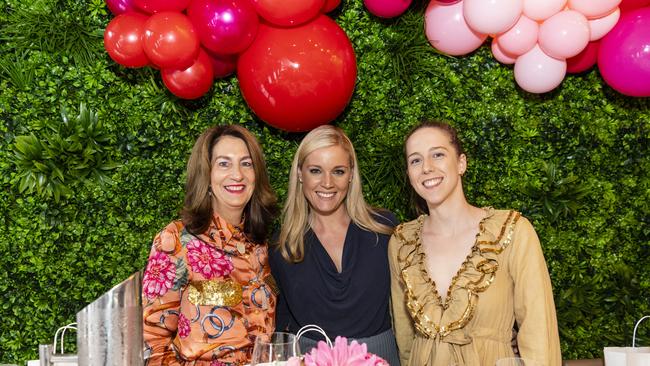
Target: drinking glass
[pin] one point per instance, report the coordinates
(274, 349)
(516, 361)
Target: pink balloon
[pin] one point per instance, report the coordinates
(447, 1)
(537, 72)
(118, 7)
(594, 8)
(501, 55)
(387, 8)
(585, 60)
(624, 54)
(447, 31)
(599, 27)
(627, 5)
(492, 16)
(520, 38)
(564, 35)
(542, 9)
(224, 26)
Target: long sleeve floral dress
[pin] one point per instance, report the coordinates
(206, 297)
(503, 281)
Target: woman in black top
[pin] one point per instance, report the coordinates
(331, 260)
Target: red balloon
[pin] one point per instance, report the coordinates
(118, 7)
(170, 40)
(224, 26)
(288, 12)
(331, 5)
(156, 6)
(123, 40)
(298, 78)
(585, 60)
(222, 65)
(192, 82)
(627, 5)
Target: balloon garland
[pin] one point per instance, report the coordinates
(296, 66)
(545, 39)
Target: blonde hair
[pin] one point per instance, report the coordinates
(295, 215)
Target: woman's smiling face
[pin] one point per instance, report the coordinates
(325, 176)
(434, 166)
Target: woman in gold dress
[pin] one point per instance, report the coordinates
(462, 276)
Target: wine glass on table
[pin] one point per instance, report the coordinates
(274, 349)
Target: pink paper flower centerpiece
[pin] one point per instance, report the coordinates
(341, 354)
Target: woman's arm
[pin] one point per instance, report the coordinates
(402, 323)
(538, 336)
(164, 280)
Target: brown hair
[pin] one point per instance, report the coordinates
(420, 204)
(197, 209)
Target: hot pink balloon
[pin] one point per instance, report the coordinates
(624, 54)
(583, 61)
(564, 35)
(599, 27)
(537, 72)
(500, 55)
(118, 7)
(627, 5)
(387, 8)
(447, 31)
(521, 38)
(492, 16)
(224, 26)
(156, 6)
(594, 8)
(542, 9)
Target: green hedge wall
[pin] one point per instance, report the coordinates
(574, 161)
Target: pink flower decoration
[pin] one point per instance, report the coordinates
(217, 363)
(183, 326)
(207, 260)
(159, 275)
(342, 354)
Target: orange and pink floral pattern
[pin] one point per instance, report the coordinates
(181, 331)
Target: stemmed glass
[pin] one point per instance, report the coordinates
(516, 361)
(274, 349)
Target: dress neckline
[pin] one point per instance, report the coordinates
(419, 247)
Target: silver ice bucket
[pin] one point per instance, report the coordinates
(109, 330)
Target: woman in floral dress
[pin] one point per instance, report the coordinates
(207, 291)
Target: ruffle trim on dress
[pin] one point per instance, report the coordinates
(475, 275)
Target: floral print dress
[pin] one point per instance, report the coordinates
(206, 297)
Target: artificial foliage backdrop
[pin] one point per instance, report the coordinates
(92, 160)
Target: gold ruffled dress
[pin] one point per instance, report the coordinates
(502, 281)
